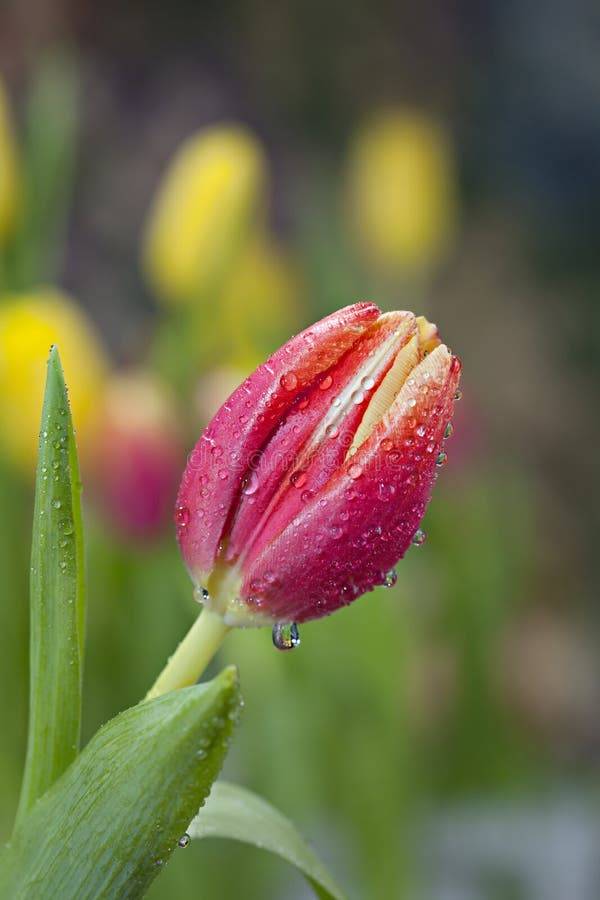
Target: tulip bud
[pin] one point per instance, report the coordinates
(29, 324)
(401, 191)
(137, 454)
(8, 169)
(210, 197)
(310, 482)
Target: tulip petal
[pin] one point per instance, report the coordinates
(214, 476)
(354, 530)
(313, 438)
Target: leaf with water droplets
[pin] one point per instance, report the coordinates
(121, 809)
(57, 598)
(236, 813)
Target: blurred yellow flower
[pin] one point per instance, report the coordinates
(29, 324)
(211, 195)
(8, 168)
(260, 302)
(401, 190)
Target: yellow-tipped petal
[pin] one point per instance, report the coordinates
(29, 324)
(210, 197)
(402, 191)
(387, 392)
(8, 169)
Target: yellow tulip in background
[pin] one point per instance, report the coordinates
(8, 168)
(211, 196)
(401, 191)
(260, 302)
(29, 324)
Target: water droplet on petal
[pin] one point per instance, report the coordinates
(390, 579)
(386, 444)
(367, 382)
(332, 431)
(421, 431)
(326, 383)
(286, 636)
(182, 516)
(288, 381)
(458, 395)
(419, 537)
(355, 471)
(298, 479)
(251, 485)
(448, 430)
(184, 841)
(442, 459)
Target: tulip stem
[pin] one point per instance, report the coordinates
(192, 655)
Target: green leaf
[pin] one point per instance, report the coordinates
(57, 598)
(236, 813)
(106, 828)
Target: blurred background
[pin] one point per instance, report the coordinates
(184, 185)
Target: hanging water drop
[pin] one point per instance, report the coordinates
(390, 578)
(442, 459)
(458, 394)
(448, 430)
(201, 595)
(286, 636)
(418, 538)
(184, 841)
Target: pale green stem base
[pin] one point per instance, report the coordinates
(192, 655)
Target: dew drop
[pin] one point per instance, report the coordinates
(201, 595)
(182, 516)
(458, 394)
(288, 381)
(418, 538)
(326, 383)
(56, 504)
(386, 491)
(286, 636)
(184, 841)
(386, 444)
(223, 474)
(412, 402)
(251, 485)
(355, 471)
(390, 579)
(448, 430)
(332, 431)
(442, 459)
(421, 431)
(298, 479)
(335, 531)
(367, 382)
(357, 397)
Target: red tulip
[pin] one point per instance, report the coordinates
(311, 480)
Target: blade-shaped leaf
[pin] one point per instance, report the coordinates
(234, 812)
(105, 829)
(57, 602)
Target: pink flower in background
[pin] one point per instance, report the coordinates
(311, 481)
(138, 453)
